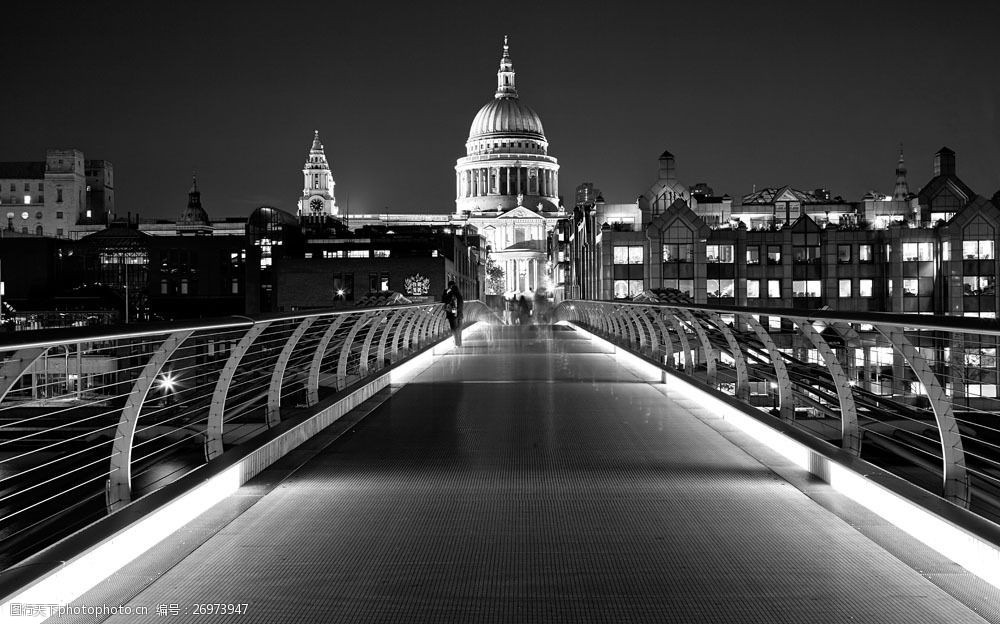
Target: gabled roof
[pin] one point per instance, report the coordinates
(938, 183)
(771, 195)
(977, 206)
(679, 211)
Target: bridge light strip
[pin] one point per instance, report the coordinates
(976, 554)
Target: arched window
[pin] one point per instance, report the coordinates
(38, 230)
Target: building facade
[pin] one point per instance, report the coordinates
(59, 197)
(932, 252)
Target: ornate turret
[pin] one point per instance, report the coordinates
(902, 190)
(317, 200)
(194, 219)
(505, 75)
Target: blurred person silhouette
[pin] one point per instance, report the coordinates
(523, 310)
(453, 304)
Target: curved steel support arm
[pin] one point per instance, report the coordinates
(739, 360)
(345, 351)
(16, 366)
(786, 401)
(217, 408)
(120, 474)
(706, 347)
(850, 435)
(956, 478)
(278, 374)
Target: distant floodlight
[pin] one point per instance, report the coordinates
(167, 382)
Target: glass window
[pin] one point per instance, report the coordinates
(774, 323)
(865, 253)
(844, 288)
(890, 288)
(753, 289)
(719, 288)
(805, 288)
(910, 287)
(805, 254)
(753, 254)
(357, 253)
(843, 254)
(719, 253)
(627, 255)
(626, 289)
(774, 254)
(913, 252)
(380, 253)
(686, 287)
(978, 285)
(774, 288)
(680, 252)
(974, 249)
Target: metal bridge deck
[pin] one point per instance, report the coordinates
(530, 478)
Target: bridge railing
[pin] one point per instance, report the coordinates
(93, 418)
(913, 394)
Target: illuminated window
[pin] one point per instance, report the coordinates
(865, 254)
(971, 250)
(774, 289)
(719, 288)
(774, 254)
(753, 289)
(844, 288)
(626, 289)
(978, 285)
(681, 252)
(806, 288)
(627, 255)
(753, 255)
(722, 254)
(865, 288)
(27, 199)
(910, 287)
(235, 286)
(381, 253)
(357, 253)
(774, 323)
(922, 252)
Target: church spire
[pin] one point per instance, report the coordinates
(505, 75)
(902, 190)
(316, 146)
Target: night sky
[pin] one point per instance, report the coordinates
(810, 94)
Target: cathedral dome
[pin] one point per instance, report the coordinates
(506, 116)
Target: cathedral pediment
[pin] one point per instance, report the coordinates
(521, 212)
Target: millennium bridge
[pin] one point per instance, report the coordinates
(622, 462)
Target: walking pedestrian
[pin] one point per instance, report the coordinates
(453, 304)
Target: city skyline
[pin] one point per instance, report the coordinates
(759, 96)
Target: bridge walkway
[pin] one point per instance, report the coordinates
(529, 477)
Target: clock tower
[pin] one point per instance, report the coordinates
(317, 189)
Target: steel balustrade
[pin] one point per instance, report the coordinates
(92, 418)
(913, 394)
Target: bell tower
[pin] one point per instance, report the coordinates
(317, 188)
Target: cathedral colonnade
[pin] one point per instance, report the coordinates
(507, 180)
